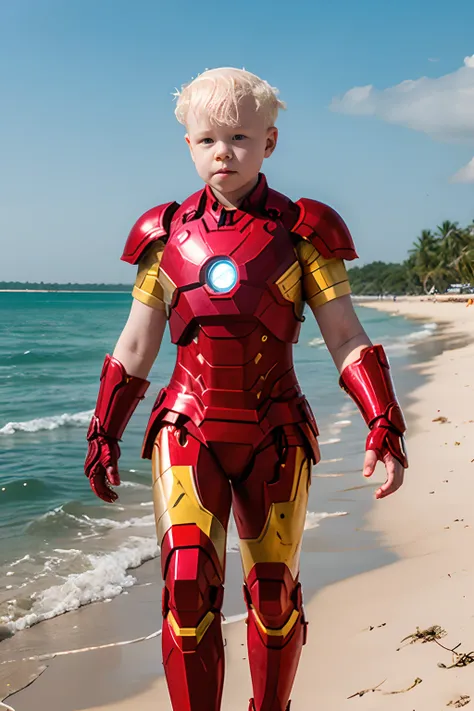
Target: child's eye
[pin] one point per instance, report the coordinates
(239, 137)
(207, 141)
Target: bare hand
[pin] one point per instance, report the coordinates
(395, 473)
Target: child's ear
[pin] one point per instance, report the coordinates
(272, 140)
(188, 141)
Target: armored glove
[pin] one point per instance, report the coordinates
(119, 395)
(369, 383)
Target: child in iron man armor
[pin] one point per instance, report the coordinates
(231, 270)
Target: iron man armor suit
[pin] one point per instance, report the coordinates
(232, 428)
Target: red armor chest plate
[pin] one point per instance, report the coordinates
(258, 252)
(234, 326)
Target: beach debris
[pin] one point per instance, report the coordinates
(440, 419)
(459, 703)
(367, 691)
(434, 634)
(456, 444)
(430, 634)
(409, 688)
(372, 627)
(460, 659)
(386, 693)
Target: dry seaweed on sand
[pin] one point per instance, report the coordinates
(460, 659)
(430, 634)
(459, 703)
(386, 693)
(435, 633)
(367, 691)
(409, 688)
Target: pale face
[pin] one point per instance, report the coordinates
(229, 158)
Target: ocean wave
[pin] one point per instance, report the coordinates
(65, 517)
(136, 522)
(107, 577)
(314, 519)
(133, 484)
(48, 423)
(20, 560)
(24, 490)
(402, 344)
(337, 426)
(318, 341)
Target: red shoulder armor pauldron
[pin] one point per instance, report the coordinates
(152, 225)
(325, 229)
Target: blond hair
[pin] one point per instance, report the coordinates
(219, 92)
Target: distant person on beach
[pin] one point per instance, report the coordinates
(231, 270)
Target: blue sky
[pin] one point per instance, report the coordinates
(89, 140)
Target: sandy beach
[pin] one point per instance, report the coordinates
(355, 657)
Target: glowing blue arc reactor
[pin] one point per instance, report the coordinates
(221, 275)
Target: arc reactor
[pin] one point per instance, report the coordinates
(221, 275)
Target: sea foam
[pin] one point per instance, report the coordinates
(48, 423)
(107, 578)
(108, 574)
(397, 346)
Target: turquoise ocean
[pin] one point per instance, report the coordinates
(61, 547)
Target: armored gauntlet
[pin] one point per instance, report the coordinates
(119, 395)
(369, 383)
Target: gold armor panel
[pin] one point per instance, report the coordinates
(290, 286)
(152, 285)
(177, 501)
(281, 537)
(323, 279)
(312, 279)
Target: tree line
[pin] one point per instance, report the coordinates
(437, 259)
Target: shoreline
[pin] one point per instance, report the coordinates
(327, 611)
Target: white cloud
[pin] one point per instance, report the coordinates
(442, 107)
(465, 175)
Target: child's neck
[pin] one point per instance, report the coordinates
(232, 201)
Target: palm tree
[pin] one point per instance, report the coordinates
(463, 262)
(425, 251)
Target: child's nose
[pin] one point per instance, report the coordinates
(222, 150)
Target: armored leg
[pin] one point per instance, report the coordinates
(192, 504)
(270, 511)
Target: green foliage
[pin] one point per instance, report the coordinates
(436, 260)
